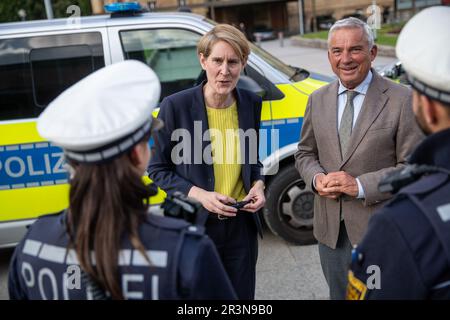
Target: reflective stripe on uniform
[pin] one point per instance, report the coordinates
(61, 255)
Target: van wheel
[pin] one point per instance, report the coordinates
(289, 208)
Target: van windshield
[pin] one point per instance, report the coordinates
(293, 73)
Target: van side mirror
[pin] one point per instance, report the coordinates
(247, 83)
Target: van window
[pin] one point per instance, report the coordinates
(35, 70)
(171, 53)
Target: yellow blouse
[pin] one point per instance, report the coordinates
(225, 145)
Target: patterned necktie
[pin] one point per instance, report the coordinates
(345, 128)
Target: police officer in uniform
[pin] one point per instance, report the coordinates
(405, 253)
(106, 245)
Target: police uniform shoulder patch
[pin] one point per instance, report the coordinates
(46, 220)
(425, 184)
(167, 222)
(356, 289)
(50, 215)
(195, 230)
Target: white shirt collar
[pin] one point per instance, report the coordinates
(361, 88)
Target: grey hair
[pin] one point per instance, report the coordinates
(349, 23)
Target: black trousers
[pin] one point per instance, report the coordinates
(236, 241)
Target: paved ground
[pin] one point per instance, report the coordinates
(284, 271)
(4, 261)
(287, 272)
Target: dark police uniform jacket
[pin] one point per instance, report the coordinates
(186, 110)
(406, 251)
(185, 264)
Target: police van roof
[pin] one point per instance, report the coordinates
(177, 18)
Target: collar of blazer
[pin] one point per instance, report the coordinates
(198, 109)
(245, 109)
(373, 104)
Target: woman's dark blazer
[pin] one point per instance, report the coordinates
(186, 110)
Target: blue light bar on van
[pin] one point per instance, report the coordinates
(118, 7)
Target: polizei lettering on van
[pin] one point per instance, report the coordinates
(31, 165)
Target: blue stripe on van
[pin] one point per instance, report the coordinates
(287, 131)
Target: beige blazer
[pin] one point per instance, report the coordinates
(385, 133)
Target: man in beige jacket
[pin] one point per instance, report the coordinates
(355, 130)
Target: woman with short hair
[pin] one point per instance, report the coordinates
(209, 150)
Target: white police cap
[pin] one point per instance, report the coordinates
(423, 47)
(105, 114)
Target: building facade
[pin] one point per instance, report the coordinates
(284, 15)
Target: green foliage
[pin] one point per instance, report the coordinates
(35, 9)
(316, 35)
(387, 35)
(386, 39)
(60, 7)
(9, 10)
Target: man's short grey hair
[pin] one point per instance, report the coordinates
(349, 23)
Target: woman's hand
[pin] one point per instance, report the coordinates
(256, 194)
(213, 202)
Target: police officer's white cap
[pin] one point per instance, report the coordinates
(104, 114)
(423, 47)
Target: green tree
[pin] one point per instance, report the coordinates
(9, 10)
(35, 9)
(60, 7)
